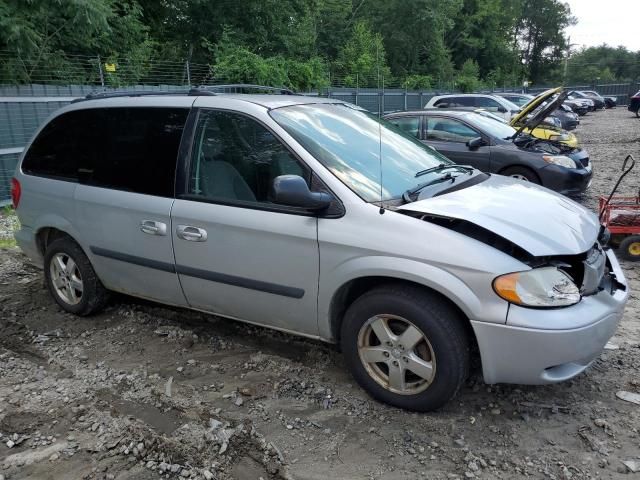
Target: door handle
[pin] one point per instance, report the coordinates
(191, 234)
(153, 228)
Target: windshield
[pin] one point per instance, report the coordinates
(512, 107)
(346, 140)
(491, 126)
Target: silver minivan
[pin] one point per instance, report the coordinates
(314, 217)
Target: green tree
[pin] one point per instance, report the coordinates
(362, 59)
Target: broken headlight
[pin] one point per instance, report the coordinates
(544, 287)
(561, 160)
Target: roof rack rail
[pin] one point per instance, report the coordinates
(193, 92)
(241, 87)
(203, 90)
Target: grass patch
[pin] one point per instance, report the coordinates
(9, 224)
(7, 242)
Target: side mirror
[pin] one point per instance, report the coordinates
(292, 190)
(476, 143)
(501, 109)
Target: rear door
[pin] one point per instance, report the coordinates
(450, 136)
(124, 198)
(238, 254)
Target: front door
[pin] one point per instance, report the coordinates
(450, 136)
(238, 254)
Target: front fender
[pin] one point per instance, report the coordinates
(394, 268)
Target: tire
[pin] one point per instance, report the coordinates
(521, 173)
(74, 286)
(443, 344)
(638, 113)
(630, 248)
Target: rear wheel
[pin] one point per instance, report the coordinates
(521, 173)
(638, 113)
(630, 248)
(406, 347)
(71, 280)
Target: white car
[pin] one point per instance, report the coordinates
(491, 103)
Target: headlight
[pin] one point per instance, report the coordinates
(559, 160)
(563, 137)
(545, 287)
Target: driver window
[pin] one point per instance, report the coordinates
(236, 158)
(448, 130)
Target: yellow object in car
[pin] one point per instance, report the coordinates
(543, 132)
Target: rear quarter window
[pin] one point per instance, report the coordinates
(131, 149)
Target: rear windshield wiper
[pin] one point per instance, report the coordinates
(444, 166)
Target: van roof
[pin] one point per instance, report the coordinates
(166, 99)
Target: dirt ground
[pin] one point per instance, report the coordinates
(144, 392)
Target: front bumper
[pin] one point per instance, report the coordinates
(563, 344)
(568, 181)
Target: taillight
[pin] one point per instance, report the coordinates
(16, 191)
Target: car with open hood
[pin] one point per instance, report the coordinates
(530, 118)
(313, 217)
(488, 144)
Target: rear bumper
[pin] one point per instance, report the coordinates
(26, 239)
(564, 345)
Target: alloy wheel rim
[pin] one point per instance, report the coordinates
(634, 248)
(66, 278)
(396, 354)
(519, 176)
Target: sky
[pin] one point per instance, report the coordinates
(614, 22)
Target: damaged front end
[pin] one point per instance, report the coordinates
(590, 271)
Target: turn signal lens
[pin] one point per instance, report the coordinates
(545, 287)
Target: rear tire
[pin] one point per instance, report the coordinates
(521, 173)
(71, 280)
(630, 248)
(406, 346)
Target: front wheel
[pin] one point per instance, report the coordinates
(406, 347)
(71, 280)
(630, 248)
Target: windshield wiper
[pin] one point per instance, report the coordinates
(444, 166)
(406, 196)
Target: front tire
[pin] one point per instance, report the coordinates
(406, 346)
(71, 280)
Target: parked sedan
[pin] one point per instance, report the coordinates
(581, 106)
(598, 101)
(491, 146)
(634, 104)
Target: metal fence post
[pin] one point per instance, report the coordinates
(357, 87)
(382, 113)
(100, 71)
(405, 97)
(188, 73)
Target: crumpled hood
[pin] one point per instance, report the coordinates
(538, 220)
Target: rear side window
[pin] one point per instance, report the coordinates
(132, 149)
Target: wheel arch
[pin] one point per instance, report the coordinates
(351, 290)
